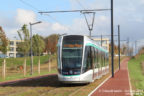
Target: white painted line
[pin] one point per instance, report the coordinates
(131, 93)
(101, 84)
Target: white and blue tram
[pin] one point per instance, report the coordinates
(80, 59)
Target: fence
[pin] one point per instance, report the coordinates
(16, 68)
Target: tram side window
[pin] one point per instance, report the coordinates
(98, 58)
(100, 54)
(104, 54)
(59, 65)
(92, 55)
(101, 59)
(104, 59)
(95, 57)
(107, 58)
(87, 59)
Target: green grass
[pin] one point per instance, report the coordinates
(11, 62)
(136, 76)
(13, 73)
(20, 75)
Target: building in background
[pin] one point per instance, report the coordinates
(105, 42)
(12, 49)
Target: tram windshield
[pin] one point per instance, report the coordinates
(72, 52)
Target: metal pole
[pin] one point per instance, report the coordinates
(119, 43)
(112, 42)
(31, 49)
(90, 32)
(31, 44)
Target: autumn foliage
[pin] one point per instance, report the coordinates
(3, 41)
(51, 43)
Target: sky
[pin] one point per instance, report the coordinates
(128, 14)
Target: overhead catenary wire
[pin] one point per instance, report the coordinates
(28, 4)
(65, 11)
(80, 4)
(88, 11)
(36, 9)
(90, 26)
(103, 35)
(31, 6)
(81, 11)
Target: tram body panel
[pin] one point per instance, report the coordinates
(68, 79)
(83, 78)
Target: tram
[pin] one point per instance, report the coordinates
(80, 59)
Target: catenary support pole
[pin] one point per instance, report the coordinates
(119, 44)
(31, 44)
(31, 49)
(112, 41)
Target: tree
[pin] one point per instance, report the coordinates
(38, 45)
(24, 46)
(141, 51)
(3, 41)
(115, 49)
(124, 49)
(3, 49)
(51, 43)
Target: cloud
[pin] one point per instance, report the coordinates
(11, 25)
(79, 26)
(25, 16)
(46, 28)
(89, 4)
(142, 1)
(127, 13)
(58, 27)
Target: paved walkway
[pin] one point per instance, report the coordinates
(117, 86)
